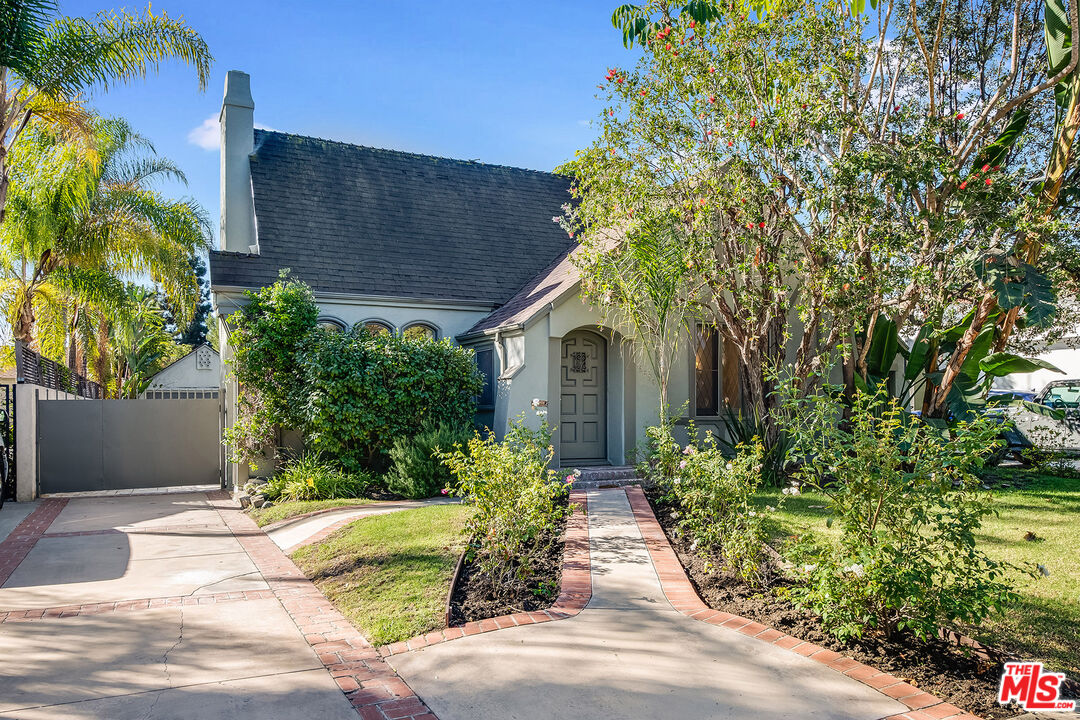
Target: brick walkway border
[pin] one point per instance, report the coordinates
(682, 596)
(370, 684)
(575, 590)
(16, 546)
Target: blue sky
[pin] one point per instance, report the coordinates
(511, 83)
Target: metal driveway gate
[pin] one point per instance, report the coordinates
(120, 444)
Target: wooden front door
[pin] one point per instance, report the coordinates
(583, 402)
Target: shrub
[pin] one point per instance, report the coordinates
(715, 495)
(908, 505)
(416, 471)
(309, 478)
(364, 391)
(270, 331)
(518, 502)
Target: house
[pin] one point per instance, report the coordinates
(196, 375)
(451, 249)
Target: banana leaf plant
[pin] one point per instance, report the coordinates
(930, 351)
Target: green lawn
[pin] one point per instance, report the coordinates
(389, 574)
(285, 510)
(1046, 623)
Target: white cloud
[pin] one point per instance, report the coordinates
(207, 135)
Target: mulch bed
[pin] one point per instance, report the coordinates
(474, 599)
(938, 667)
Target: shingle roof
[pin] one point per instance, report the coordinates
(545, 288)
(353, 219)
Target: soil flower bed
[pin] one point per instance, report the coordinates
(966, 678)
(474, 599)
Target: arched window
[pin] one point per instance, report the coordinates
(331, 324)
(377, 327)
(420, 331)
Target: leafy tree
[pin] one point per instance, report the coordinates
(49, 63)
(195, 332)
(858, 166)
(83, 217)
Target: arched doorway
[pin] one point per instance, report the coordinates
(583, 398)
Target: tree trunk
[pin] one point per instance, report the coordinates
(986, 306)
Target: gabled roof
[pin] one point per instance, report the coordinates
(534, 298)
(359, 220)
(185, 356)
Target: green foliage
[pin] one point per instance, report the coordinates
(270, 333)
(908, 507)
(361, 392)
(715, 496)
(350, 394)
(518, 502)
(310, 478)
(748, 429)
(416, 471)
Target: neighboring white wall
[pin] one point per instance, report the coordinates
(198, 370)
(26, 432)
(1060, 355)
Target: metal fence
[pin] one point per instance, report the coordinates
(30, 367)
(7, 435)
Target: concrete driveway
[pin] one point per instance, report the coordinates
(148, 607)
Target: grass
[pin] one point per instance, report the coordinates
(1045, 623)
(286, 510)
(389, 574)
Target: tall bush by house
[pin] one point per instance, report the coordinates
(270, 333)
(351, 395)
(364, 391)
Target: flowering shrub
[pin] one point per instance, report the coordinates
(908, 507)
(661, 457)
(715, 496)
(518, 502)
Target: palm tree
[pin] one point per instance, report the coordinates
(83, 219)
(49, 63)
(138, 342)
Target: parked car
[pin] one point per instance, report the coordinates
(1060, 395)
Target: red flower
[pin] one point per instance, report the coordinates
(963, 185)
(996, 168)
(985, 168)
(611, 112)
(959, 116)
(667, 46)
(750, 226)
(729, 143)
(712, 70)
(619, 80)
(761, 225)
(753, 122)
(989, 181)
(643, 93)
(712, 98)
(847, 287)
(692, 24)
(702, 201)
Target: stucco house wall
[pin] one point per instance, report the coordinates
(199, 370)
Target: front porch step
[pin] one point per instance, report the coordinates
(603, 475)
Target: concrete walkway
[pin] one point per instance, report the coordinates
(628, 655)
(80, 639)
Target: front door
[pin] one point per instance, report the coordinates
(583, 403)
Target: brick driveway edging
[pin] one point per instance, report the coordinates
(16, 546)
(370, 684)
(684, 598)
(575, 590)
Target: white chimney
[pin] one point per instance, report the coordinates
(237, 143)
